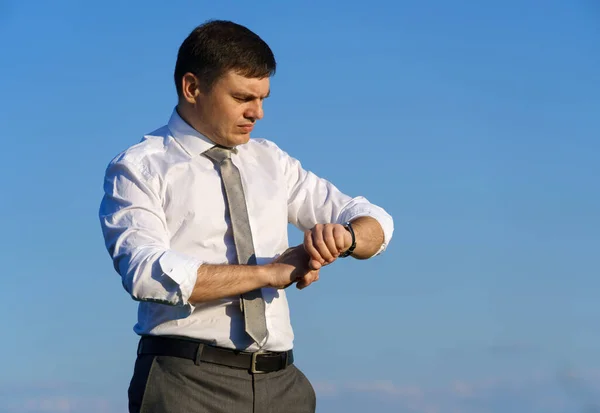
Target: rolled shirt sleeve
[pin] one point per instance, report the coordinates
(313, 200)
(361, 207)
(136, 236)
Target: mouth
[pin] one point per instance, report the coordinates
(246, 128)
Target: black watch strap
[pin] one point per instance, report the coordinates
(350, 250)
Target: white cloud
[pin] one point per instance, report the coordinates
(567, 392)
(50, 405)
(325, 388)
(386, 387)
(60, 404)
(462, 388)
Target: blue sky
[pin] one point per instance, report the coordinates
(474, 124)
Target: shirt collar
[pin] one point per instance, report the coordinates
(192, 141)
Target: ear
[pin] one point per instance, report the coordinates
(190, 87)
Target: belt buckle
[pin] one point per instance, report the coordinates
(253, 363)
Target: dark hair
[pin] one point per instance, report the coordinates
(217, 46)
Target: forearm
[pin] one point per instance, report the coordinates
(220, 281)
(369, 237)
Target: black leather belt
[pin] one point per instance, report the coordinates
(260, 362)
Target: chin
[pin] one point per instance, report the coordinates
(240, 139)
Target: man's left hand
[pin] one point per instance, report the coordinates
(325, 242)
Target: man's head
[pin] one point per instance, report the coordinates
(222, 77)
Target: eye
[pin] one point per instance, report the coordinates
(243, 99)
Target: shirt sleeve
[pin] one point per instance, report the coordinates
(313, 200)
(136, 236)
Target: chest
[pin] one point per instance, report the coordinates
(196, 208)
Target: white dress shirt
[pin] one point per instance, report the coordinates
(163, 215)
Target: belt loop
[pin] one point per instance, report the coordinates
(198, 358)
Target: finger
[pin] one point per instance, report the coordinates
(319, 243)
(307, 280)
(302, 283)
(340, 234)
(329, 238)
(314, 265)
(310, 248)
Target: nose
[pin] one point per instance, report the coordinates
(255, 111)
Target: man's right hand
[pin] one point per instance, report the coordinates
(290, 267)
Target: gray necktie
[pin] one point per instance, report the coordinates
(253, 304)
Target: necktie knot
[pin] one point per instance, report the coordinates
(218, 153)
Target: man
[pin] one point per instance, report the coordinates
(195, 219)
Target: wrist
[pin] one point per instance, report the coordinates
(350, 250)
(265, 274)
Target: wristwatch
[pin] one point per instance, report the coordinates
(350, 250)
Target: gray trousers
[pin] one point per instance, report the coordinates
(163, 384)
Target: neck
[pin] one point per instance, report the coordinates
(186, 113)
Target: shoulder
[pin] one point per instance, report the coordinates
(150, 145)
(262, 144)
(262, 147)
(150, 155)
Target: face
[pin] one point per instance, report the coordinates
(228, 112)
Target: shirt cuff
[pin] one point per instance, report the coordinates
(183, 270)
(360, 207)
